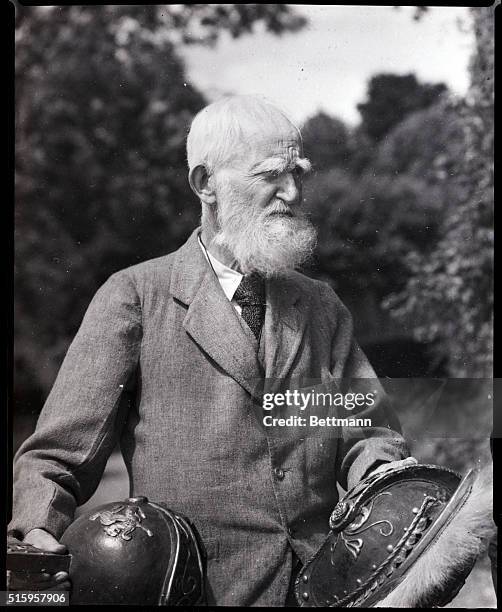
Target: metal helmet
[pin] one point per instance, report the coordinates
(134, 552)
(406, 537)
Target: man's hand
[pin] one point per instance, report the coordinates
(40, 581)
(391, 465)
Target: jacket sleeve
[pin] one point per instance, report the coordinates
(361, 448)
(59, 467)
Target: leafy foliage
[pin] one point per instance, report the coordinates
(406, 209)
(326, 139)
(203, 23)
(367, 227)
(378, 201)
(392, 97)
(449, 293)
(424, 143)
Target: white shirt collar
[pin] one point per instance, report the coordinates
(229, 279)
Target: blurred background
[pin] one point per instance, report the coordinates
(396, 110)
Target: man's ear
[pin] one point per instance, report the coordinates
(201, 184)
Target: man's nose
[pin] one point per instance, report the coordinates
(288, 188)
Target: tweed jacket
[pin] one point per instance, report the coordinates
(187, 428)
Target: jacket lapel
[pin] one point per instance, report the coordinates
(211, 320)
(285, 322)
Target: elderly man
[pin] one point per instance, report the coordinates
(190, 334)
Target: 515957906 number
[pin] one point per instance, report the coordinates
(34, 598)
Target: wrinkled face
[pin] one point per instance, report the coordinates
(259, 194)
(268, 170)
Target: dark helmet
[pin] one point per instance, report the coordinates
(407, 537)
(134, 552)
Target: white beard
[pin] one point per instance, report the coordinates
(259, 242)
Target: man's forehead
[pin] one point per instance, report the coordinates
(275, 131)
(285, 146)
(272, 136)
(289, 148)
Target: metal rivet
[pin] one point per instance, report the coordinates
(279, 473)
(305, 595)
(390, 548)
(305, 578)
(138, 500)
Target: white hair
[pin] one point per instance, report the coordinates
(219, 127)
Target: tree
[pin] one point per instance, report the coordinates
(326, 142)
(449, 295)
(424, 143)
(367, 226)
(197, 23)
(390, 201)
(203, 23)
(391, 97)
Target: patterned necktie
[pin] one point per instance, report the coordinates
(250, 295)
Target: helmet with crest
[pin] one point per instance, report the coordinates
(134, 552)
(406, 537)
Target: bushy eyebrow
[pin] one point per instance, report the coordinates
(278, 165)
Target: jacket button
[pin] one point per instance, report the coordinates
(279, 473)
